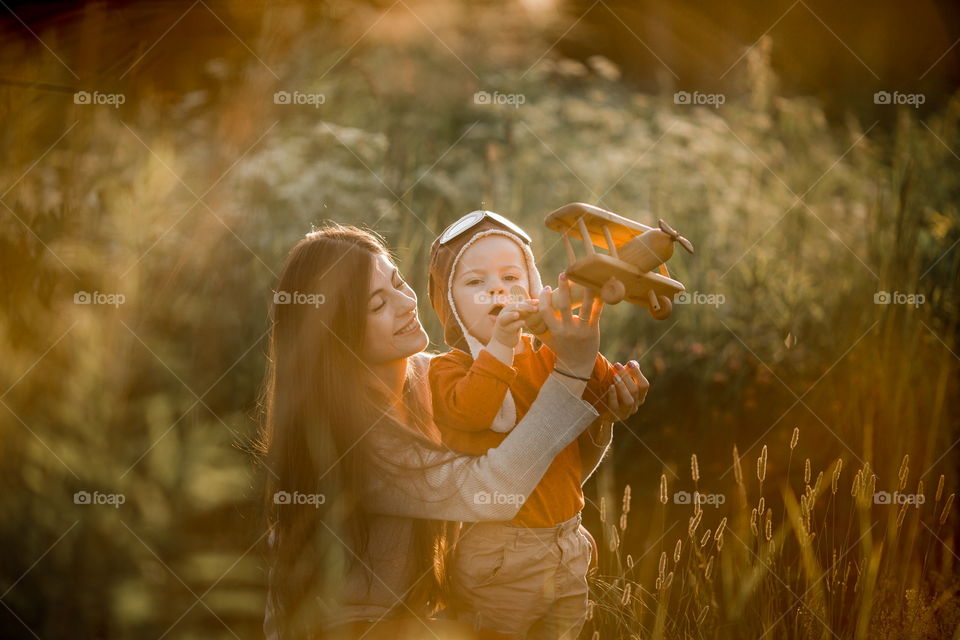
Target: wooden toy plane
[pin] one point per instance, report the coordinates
(634, 268)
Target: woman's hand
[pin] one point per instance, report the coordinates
(574, 339)
(627, 393)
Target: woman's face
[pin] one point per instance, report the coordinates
(393, 329)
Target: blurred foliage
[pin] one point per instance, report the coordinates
(185, 203)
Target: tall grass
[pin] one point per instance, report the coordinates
(838, 565)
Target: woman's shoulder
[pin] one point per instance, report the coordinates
(418, 369)
(421, 361)
(391, 435)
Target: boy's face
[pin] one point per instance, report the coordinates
(481, 284)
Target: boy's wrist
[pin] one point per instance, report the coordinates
(500, 351)
(509, 343)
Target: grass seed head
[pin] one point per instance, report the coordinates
(946, 509)
(762, 464)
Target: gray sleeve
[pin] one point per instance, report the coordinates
(424, 482)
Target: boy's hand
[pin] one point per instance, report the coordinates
(506, 331)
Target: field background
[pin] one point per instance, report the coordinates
(788, 390)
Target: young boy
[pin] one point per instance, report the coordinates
(527, 577)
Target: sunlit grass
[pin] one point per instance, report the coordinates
(837, 563)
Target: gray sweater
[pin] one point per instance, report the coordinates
(428, 484)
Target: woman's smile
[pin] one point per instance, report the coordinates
(410, 327)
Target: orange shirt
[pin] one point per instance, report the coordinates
(467, 394)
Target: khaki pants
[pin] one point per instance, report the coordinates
(523, 582)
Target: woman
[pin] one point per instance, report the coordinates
(361, 497)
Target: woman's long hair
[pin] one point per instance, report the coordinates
(317, 406)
